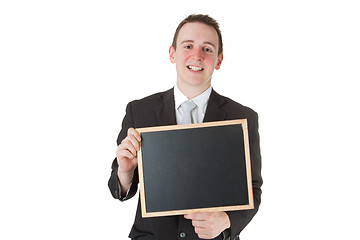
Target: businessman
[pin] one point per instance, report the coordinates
(197, 50)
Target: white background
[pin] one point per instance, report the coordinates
(68, 69)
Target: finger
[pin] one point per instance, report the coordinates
(126, 145)
(135, 143)
(133, 140)
(131, 143)
(199, 223)
(199, 230)
(136, 134)
(202, 233)
(197, 216)
(125, 154)
(190, 216)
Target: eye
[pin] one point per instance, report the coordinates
(187, 46)
(206, 49)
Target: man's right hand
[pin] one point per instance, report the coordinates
(126, 155)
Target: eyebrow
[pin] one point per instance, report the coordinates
(192, 41)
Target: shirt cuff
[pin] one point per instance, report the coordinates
(126, 197)
(226, 234)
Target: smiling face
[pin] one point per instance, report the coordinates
(196, 57)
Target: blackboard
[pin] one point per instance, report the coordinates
(195, 168)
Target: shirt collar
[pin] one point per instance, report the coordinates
(201, 100)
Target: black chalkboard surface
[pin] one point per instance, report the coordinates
(195, 168)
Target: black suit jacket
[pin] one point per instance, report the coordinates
(159, 110)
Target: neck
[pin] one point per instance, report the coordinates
(192, 91)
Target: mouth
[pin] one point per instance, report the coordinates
(195, 68)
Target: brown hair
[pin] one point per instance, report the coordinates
(201, 19)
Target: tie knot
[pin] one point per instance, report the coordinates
(188, 105)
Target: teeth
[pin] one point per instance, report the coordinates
(195, 68)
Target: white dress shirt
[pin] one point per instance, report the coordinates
(201, 102)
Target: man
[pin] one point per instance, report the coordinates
(196, 51)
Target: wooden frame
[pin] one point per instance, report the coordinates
(165, 129)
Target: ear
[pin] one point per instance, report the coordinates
(172, 54)
(219, 61)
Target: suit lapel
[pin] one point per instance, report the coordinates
(165, 111)
(214, 112)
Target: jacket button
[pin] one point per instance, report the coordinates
(182, 235)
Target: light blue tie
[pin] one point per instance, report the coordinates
(188, 106)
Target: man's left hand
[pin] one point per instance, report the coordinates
(209, 225)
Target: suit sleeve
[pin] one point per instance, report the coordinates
(239, 219)
(113, 183)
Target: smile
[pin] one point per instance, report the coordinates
(194, 68)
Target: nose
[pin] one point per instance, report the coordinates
(198, 54)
